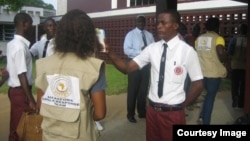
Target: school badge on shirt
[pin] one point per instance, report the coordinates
(62, 91)
(178, 70)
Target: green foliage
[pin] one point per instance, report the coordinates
(49, 6)
(116, 81)
(4, 87)
(39, 3)
(15, 5)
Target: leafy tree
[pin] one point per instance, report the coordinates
(16, 5)
(49, 6)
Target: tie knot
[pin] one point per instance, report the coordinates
(165, 45)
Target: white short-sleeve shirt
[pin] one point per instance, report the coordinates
(19, 60)
(181, 59)
(37, 48)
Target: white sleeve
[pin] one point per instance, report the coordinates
(193, 66)
(143, 58)
(34, 49)
(20, 57)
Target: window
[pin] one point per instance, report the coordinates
(141, 2)
(6, 32)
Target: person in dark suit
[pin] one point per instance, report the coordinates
(135, 42)
(237, 49)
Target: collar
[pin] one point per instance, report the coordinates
(171, 43)
(44, 37)
(138, 30)
(21, 38)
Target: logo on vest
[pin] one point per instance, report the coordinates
(178, 70)
(62, 91)
(61, 86)
(204, 43)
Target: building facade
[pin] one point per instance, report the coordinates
(7, 28)
(117, 17)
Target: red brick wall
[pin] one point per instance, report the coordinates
(229, 20)
(89, 5)
(117, 27)
(116, 30)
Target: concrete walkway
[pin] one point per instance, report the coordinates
(117, 127)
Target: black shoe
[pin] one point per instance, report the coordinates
(132, 119)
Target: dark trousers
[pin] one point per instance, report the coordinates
(138, 83)
(159, 124)
(212, 86)
(18, 103)
(238, 86)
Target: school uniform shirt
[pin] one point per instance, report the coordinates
(19, 60)
(38, 48)
(133, 42)
(180, 60)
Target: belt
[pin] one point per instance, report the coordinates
(19, 87)
(16, 87)
(165, 107)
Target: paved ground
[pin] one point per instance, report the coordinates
(116, 126)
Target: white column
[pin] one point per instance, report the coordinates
(128, 3)
(113, 4)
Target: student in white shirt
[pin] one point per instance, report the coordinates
(45, 46)
(19, 66)
(135, 42)
(167, 100)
